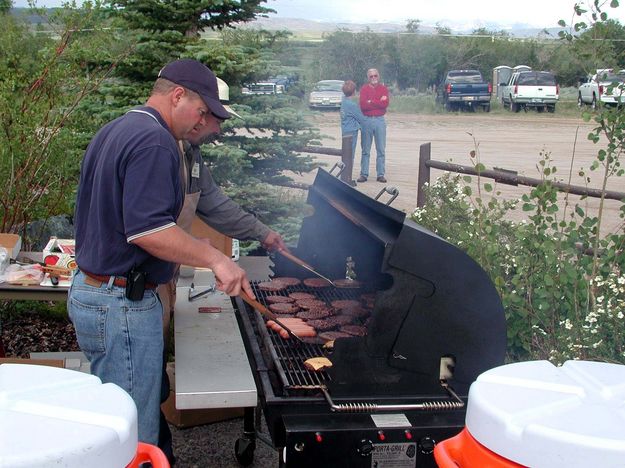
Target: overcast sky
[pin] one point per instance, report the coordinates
(535, 13)
(539, 13)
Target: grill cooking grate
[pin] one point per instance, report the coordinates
(289, 355)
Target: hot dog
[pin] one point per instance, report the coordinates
(297, 326)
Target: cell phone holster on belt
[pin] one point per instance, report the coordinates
(135, 285)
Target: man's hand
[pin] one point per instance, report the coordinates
(229, 277)
(274, 242)
(176, 246)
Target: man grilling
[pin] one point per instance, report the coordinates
(127, 239)
(206, 200)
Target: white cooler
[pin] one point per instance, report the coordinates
(539, 415)
(58, 417)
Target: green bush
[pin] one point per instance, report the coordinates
(560, 301)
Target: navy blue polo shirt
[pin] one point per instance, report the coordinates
(129, 187)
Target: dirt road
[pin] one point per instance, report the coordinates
(513, 141)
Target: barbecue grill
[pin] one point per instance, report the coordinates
(435, 324)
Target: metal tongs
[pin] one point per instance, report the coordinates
(196, 295)
(267, 313)
(305, 265)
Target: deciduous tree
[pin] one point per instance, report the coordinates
(42, 87)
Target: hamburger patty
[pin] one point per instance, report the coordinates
(339, 320)
(333, 335)
(356, 312)
(356, 330)
(316, 283)
(283, 308)
(287, 280)
(321, 324)
(314, 314)
(345, 303)
(329, 323)
(302, 295)
(310, 303)
(273, 299)
(271, 286)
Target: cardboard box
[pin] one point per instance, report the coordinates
(192, 417)
(73, 360)
(220, 241)
(59, 253)
(37, 362)
(60, 246)
(11, 242)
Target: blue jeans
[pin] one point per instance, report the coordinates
(374, 128)
(123, 341)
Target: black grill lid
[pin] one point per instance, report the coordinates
(433, 299)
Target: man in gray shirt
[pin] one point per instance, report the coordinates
(204, 199)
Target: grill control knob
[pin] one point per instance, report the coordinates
(426, 445)
(365, 447)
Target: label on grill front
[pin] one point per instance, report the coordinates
(390, 420)
(394, 455)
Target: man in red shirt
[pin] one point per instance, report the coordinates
(373, 102)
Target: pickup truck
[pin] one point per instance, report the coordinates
(269, 86)
(604, 87)
(464, 88)
(527, 89)
(278, 84)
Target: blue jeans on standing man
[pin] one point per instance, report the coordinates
(375, 128)
(123, 341)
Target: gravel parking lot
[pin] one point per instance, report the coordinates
(508, 141)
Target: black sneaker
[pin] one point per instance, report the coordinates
(362, 178)
(381, 179)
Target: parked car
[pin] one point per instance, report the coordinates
(285, 80)
(605, 87)
(269, 86)
(278, 84)
(464, 88)
(326, 94)
(527, 89)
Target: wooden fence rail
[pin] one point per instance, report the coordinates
(503, 176)
(345, 154)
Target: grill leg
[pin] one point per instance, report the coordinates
(244, 446)
(249, 426)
